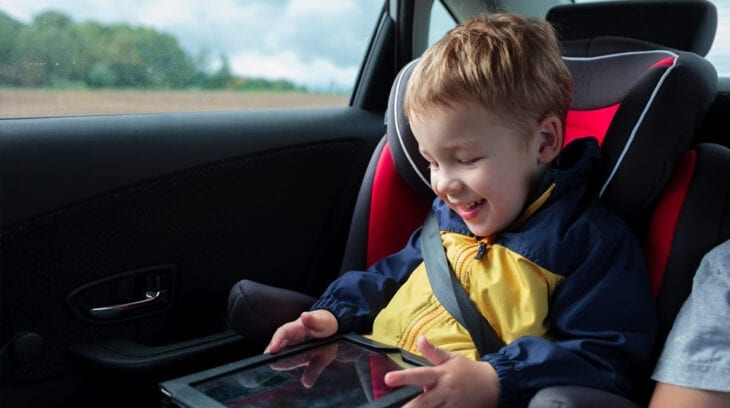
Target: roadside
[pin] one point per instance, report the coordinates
(19, 103)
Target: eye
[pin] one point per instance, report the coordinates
(468, 161)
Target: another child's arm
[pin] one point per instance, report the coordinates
(454, 380)
(667, 395)
(316, 324)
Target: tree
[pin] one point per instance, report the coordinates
(54, 51)
(221, 78)
(9, 30)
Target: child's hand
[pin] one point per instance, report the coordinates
(316, 324)
(454, 381)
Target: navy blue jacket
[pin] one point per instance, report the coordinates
(601, 320)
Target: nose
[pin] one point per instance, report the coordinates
(444, 182)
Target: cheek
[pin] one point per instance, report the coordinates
(504, 189)
(488, 180)
(434, 180)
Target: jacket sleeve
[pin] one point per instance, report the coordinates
(356, 297)
(603, 321)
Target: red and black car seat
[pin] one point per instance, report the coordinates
(691, 218)
(642, 91)
(643, 106)
(692, 215)
(643, 103)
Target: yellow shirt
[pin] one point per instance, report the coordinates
(511, 291)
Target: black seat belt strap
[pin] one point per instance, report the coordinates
(450, 293)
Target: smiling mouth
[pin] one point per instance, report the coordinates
(473, 205)
(471, 210)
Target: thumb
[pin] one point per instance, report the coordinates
(435, 355)
(319, 323)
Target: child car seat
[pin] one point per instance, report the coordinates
(644, 124)
(687, 25)
(643, 106)
(644, 102)
(694, 206)
(692, 217)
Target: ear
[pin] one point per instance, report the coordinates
(549, 139)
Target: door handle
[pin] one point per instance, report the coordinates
(152, 298)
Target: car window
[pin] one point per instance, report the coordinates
(719, 54)
(441, 22)
(77, 57)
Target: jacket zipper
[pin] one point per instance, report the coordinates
(436, 312)
(417, 324)
(481, 251)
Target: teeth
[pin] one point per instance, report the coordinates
(473, 204)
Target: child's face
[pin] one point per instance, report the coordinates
(484, 170)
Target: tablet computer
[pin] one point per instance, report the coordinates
(346, 370)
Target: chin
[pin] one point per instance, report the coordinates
(480, 230)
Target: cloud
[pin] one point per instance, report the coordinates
(311, 42)
(103, 11)
(319, 74)
(325, 29)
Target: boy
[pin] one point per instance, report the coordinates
(558, 276)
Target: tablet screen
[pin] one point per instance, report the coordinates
(340, 373)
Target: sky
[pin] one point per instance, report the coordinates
(720, 53)
(316, 43)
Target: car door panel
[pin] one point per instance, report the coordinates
(100, 212)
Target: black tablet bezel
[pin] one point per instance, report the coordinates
(182, 391)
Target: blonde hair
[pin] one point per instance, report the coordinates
(509, 64)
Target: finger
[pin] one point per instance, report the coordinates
(309, 319)
(435, 355)
(276, 344)
(420, 377)
(279, 341)
(288, 334)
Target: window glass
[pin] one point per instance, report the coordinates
(72, 57)
(719, 54)
(441, 22)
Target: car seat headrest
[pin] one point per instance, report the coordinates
(687, 25)
(409, 163)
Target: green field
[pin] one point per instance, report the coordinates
(17, 103)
